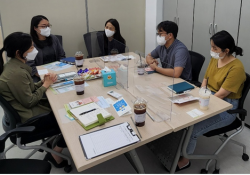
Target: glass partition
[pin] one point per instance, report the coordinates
(152, 86)
(118, 59)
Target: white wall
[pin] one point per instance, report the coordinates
(68, 18)
(153, 16)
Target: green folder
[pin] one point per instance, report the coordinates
(101, 120)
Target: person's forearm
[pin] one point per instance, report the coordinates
(204, 82)
(166, 71)
(220, 95)
(149, 59)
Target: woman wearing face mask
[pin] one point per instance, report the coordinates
(48, 45)
(112, 41)
(18, 88)
(226, 80)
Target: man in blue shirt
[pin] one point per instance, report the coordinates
(174, 55)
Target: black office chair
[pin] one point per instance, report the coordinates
(197, 63)
(60, 39)
(99, 48)
(236, 126)
(12, 120)
(20, 166)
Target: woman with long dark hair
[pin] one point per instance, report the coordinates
(48, 45)
(112, 41)
(226, 81)
(25, 96)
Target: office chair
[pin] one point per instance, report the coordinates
(12, 120)
(197, 63)
(59, 37)
(237, 126)
(88, 42)
(20, 166)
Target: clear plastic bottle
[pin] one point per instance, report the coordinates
(141, 66)
(140, 107)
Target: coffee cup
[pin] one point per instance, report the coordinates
(79, 84)
(204, 94)
(140, 107)
(79, 58)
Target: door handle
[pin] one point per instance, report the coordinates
(178, 19)
(215, 28)
(210, 28)
(175, 20)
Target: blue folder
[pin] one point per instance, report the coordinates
(179, 88)
(68, 60)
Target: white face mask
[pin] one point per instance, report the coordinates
(32, 55)
(216, 55)
(45, 32)
(109, 33)
(161, 40)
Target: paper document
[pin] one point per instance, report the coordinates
(43, 71)
(87, 114)
(109, 139)
(195, 113)
(183, 98)
(57, 66)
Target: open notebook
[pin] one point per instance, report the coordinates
(88, 118)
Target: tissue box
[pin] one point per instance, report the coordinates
(108, 78)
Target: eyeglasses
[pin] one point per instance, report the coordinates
(44, 27)
(160, 34)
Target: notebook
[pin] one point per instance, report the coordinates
(180, 87)
(89, 117)
(108, 139)
(68, 60)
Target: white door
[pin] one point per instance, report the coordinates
(185, 21)
(244, 43)
(203, 23)
(227, 13)
(169, 10)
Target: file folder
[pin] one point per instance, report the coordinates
(179, 88)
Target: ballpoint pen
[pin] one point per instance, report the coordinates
(87, 111)
(136, 126)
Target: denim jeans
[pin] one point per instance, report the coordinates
(215, 122)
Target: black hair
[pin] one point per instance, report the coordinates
(16, 41)
(117, 35)
(224, 40)
(34, 23)
(169, 27)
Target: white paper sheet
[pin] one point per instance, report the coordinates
(195, 113)
(105, 140)
(42, 71)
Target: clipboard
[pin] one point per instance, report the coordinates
(108, 139)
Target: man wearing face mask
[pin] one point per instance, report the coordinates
(48, 45)
(173, 54)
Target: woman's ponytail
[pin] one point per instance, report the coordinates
(1, 60)
(238, 51)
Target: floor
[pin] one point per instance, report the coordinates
(230, 158)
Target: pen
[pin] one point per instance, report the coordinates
(136, 127)
(87, 111)
(150, 116)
